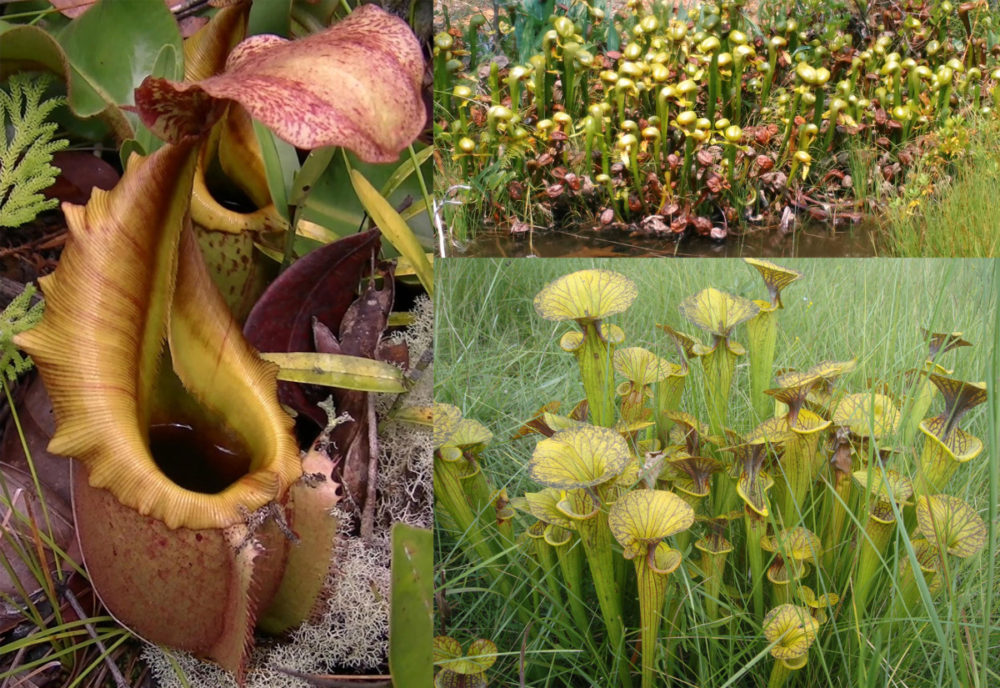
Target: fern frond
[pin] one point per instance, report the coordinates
(18, 316)
(26, 154)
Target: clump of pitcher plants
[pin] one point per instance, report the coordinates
(674, 121)
(797, 517)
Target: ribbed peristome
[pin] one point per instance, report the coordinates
(125, 283)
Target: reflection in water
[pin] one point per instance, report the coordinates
(806, 242)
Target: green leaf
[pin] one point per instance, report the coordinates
(314, 166)
(394, 229)
(411, 621)
(169, 64)
(27, 47)
(269, 17)
(278, 164)
(401, 173)
(111, 48)
(337, 370)
(332, 203)
(281, 164)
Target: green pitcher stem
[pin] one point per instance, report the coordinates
(667, 397)
(869, 562)
(569, 79)
(547, 570)
(772, 61)
(539, 78)
(756, 527)
(449, 494)
(796, 103)
(837, 519)
(762, 336)
(594, 359)
(907, 602)
(676, 629)
(779, 675)
(441, 79)
(685, 179)
(724, 495)
(923, 396)
(683, 538)
(571, 567)
(819, 107)
(798, 476)
(596, 539)
(480, 496)
(713, 85)
(935, 470)
(719, 366)
(652, 593)
(713, 565)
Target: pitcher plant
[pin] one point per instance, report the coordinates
(188, 485)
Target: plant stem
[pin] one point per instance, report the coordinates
(719, 365)
(935, 469)
(547, 570)
(779, 675)
(713, 85)
(449, 494)
(571, 565)
(596, 539)
(762, 337)
(667, 397)
(756, 528)
(652, 593)
(594, 359)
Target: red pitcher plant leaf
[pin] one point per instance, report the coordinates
(356, 84)
(320, 287)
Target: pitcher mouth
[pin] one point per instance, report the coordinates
(201, 462)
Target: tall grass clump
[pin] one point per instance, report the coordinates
(840, 533)
(952, 212)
